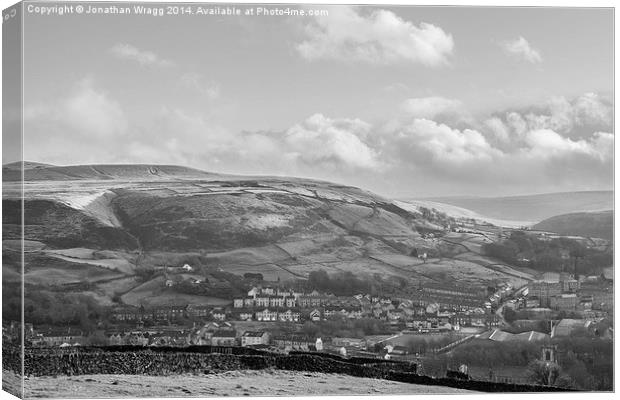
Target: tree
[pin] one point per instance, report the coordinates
(545, 373)
(97, 338)
(318, 279)
(510, 315)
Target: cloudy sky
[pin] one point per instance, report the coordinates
(403, 101)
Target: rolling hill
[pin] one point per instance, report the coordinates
(588, 224)
(44, 172)
(110, 232)
(533, 208)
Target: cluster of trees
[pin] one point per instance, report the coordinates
(547, 374)
(340, 284)
(11, 301)
(145, 273)
(43, 307)
(434, 215)
(528, 250)
(577, 370)
(584, 362)
(348, 284)
(490, 354)
(587, 360)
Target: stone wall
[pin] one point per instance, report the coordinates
(131, 361)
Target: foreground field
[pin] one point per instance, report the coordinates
(232, 383)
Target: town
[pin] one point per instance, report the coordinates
(282, 319)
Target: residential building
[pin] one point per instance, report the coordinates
(266, 315)
(162, 313)
(187, 268)
(253, 292)
(225, 337)
(203, 335)
(137, 338)
(475, 293)
(238, 303)
(315, 315)
(294, 342)
(275, 301)
(62, 337)
(564, 302)
(283, 292)
(115, 338)
(253, 338)
(261, 301)
(570, 285)
(245, 315)
(198, 311)
(289, 316)
(218, 315)
(353, 342)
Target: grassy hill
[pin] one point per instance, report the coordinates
(111, 232)
(533, 207)
(589, 224)
(44, 172)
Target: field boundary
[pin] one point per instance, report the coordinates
(131, 360)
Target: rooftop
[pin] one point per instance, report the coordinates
(224, 333)
(254, 333)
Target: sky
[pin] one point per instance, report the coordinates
(403, 101)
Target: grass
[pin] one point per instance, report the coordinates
(69, 274)
(153, 293)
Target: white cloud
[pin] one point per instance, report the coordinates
(80, 126)
(86, 111)
(143, 57)
(509, 152)
(545, 144)
(499, 130)
(576, 118)
(516, 122)
(198, 82)
(522, 49)
(591, 109)
(378, 38)
(321, 140)
(445, 144)
(431, 107)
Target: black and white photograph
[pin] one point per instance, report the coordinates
(294, 199)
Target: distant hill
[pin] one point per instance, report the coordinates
(26, 165)
(533, 207)
(589, 224)
(44, 172)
